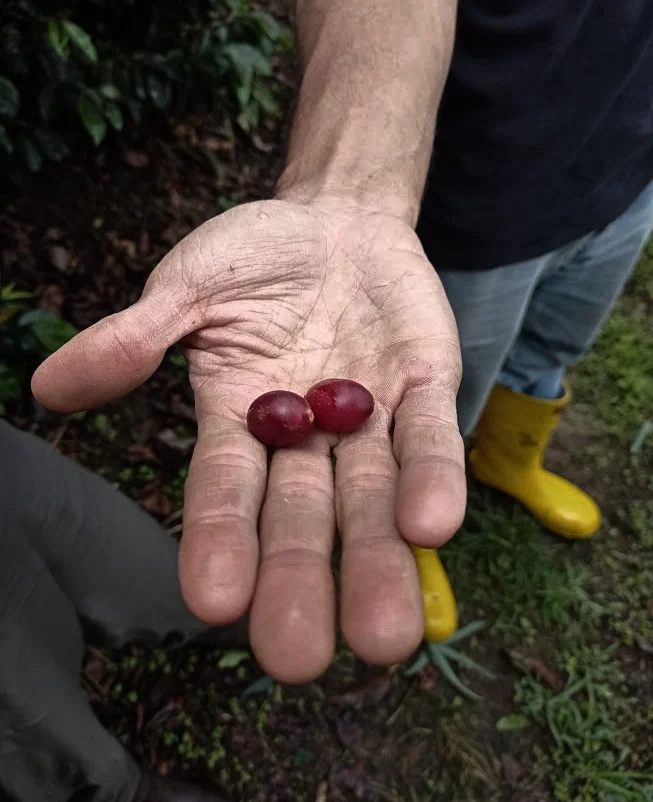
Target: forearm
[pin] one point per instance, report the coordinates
(374, 71)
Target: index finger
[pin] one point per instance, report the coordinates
(432, 488)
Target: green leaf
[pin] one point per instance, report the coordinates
(91, 114)
(237, 7)
(81, 40)
(248, 119)
(233, 658)
(159, 90)
(9, 99)
(243, 93)
(100, 421)
(259, 686)
(49, 329)
(139, 84)
(466, 632)
(418, 665)
(512, 723)
(177, 360)
(114, 115)
(110, 92)
(266, 99)
(466, 662)
(9, 293)
(10, 385)
(205, 41)
(59, 38)
(5, 141)
(31, 154)
(247, 60)
(136, 110)
(268, 24)
(442, 664)
(47, 98)
(50, 143)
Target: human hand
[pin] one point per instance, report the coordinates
(280, 295)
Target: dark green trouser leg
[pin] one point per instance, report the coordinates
(78, 562)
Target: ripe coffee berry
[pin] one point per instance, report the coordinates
(340, 405)
(280, 418)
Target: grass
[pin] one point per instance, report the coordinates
(616, 377)
(525, 579)
(590, 758)
(552, 600)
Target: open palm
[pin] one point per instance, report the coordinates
(275, 295)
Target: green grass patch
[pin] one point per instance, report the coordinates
(589, 723)
(616, 377)
(574, 608)
(510, 571)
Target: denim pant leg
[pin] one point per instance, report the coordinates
(572, 301)
(489, 307)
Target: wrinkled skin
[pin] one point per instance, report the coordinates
(279, 295)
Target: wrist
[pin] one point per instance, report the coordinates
(338, 190)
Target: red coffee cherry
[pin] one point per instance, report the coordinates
(280, 418)
(340, 405)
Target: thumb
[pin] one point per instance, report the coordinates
(112, 357)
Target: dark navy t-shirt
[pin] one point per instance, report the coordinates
(545, 131)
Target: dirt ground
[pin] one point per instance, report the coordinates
(563, 663)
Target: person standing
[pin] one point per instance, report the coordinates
(328, 279)
(538, 205)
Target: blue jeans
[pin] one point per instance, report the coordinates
(523, 324)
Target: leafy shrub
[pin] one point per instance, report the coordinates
(96, 63)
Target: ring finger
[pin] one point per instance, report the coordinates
(382, 615)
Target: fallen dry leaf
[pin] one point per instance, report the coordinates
(59, 257)
(137, 452)
(157, 503)
(51, 298)
(182, 131)
(213, 144)
(144, 242)
(136, 158)
(533, 665)
(322, 791)
(175, 232)
(428, 678)
(128, 246)
(54, 234)
(264, 147)
(175, 442)
(95, 666)
(367, 693)
(511, 770)
(182, 410)
(140, 716)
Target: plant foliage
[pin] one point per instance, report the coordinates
(94, 65)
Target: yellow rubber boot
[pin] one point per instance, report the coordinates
(511, 438)
(440, 614)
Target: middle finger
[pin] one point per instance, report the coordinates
(293, 615)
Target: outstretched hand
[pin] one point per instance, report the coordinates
(276, 295)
